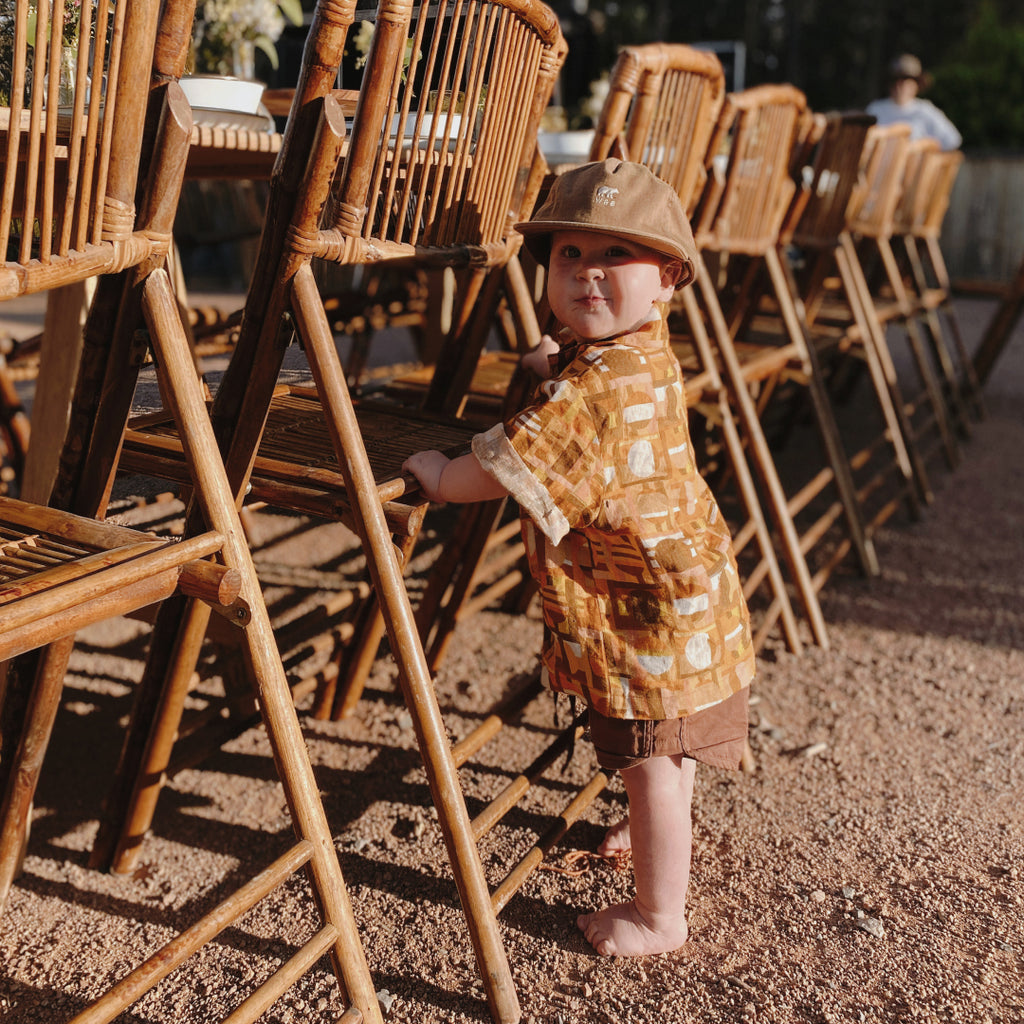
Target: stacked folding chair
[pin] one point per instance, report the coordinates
(919, 223)
(889, 184)
(92, 190)
(431, 173)
(737, 226)
(845, 328)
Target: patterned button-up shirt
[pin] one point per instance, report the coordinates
(643, 607)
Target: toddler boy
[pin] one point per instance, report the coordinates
(643, 608)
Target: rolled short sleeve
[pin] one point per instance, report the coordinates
(548, 457)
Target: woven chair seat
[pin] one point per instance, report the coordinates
(296, 423)
(55, 568)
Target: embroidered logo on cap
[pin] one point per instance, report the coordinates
(606, 195)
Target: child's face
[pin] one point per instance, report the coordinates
(601, 285)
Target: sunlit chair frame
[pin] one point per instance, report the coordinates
(739, 219)
(919, 224)
(63, 567)
(339, 194)
(888, 189)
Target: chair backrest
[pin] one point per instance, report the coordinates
(441, 160)
(744, 205)
(662, 105)
(444, 134)
(833, 178)
(75, 96)
(916, 183)
(938, 176)
(873, 207)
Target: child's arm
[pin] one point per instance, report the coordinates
(536, 360)
(461, 479)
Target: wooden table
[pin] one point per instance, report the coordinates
(231, 153)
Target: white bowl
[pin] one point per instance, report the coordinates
(566, 147)
(219, 92)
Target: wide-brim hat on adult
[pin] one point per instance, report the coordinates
(906, 65)
(615, 197)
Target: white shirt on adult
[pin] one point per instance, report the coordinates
(925, 119)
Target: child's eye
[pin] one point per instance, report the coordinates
(569, 252)
(619, 252)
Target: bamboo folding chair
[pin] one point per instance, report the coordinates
(737, 228)
(842, 319)
(661, 110)
(412, 182)
(919, 223)
(888, 189)
(91, 190)
(1000, 327)
(915, 199)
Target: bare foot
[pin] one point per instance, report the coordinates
(616, 840)
(622, 930)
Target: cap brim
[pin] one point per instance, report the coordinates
(537, 239)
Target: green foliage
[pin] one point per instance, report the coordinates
(981, 87)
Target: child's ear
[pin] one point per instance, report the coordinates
(671, 274)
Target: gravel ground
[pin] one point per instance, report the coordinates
(869, 869)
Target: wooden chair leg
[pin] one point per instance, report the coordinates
(358, 661)
(785, 295)
(936, 337)
(764, 464)
(885, 385)
(274, 696)
(59, 354)
(781, 606)
(970, 382)
(452, 577)
(417, 686)
(156, 716)
(997, 333)
(917, 347)
(31, 696)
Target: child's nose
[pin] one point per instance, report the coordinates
(589, 272)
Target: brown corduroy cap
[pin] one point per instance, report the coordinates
(618, 198)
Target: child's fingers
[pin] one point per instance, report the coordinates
(427, 467)
(419, 460)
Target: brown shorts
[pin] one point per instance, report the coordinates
(716, 736)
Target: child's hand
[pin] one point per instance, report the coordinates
(427, 467)
(536, 360)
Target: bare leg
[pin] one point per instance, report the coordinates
(660, 791)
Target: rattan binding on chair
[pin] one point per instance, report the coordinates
(423, 189)
(62, 566)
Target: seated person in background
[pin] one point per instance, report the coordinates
(906, 80)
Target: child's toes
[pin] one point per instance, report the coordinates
(595, 932)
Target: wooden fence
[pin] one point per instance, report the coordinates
(983, 234)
